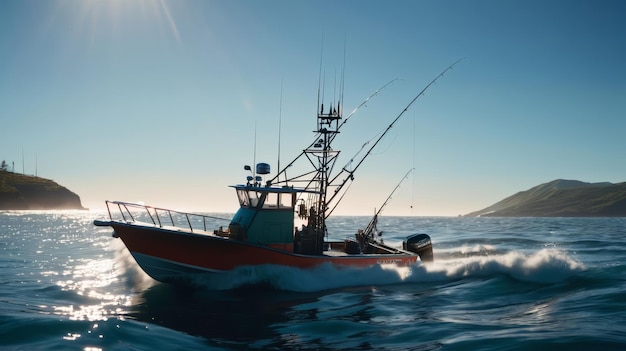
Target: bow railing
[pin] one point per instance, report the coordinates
(128, 212)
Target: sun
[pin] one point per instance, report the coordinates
(117, 17)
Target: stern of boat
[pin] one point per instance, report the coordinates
(421, 245)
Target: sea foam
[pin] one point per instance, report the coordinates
(545, 266)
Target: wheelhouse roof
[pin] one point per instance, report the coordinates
(269, 189)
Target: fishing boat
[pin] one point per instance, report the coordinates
(281, 220)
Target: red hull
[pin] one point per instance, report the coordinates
(211, 253)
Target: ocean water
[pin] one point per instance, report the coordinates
(496, 284)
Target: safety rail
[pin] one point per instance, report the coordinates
(133, 212)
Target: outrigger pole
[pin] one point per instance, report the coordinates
(350, 176)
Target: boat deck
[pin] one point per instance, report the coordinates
(335, 253)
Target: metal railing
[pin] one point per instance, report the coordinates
(132, 213)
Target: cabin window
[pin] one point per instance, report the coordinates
(244, 201)
(248, 198)
(271, 201)
(286, 200)
(282, 201)
(254, 198)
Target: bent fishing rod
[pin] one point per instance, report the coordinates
(368, 232)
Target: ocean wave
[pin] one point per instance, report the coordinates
(544, 266)
(136, 279)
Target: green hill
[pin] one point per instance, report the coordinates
(562, 198)
(22, 192)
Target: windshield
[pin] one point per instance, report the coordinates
(269, 200)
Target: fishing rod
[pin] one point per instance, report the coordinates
(365, 102)
(371, 226)
(350, 176)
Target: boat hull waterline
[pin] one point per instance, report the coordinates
(173, 254)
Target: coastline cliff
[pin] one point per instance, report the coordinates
(24, 192)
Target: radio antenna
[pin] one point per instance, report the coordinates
(319, 78)
(280, 118)
(254, 154)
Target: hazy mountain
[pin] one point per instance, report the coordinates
(562, 198)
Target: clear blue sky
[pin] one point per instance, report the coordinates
(157, 101)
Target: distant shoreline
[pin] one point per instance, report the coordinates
(562, 198)
(19, 192)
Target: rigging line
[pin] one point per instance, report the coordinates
(387, 148)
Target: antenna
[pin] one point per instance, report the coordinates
(343, 76)
(334, 93)
(319, 78)
(280, 118)
(254, 154)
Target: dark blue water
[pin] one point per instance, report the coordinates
(497, 284)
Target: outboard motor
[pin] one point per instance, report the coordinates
(421, 245)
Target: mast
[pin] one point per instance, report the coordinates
(327, 128)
